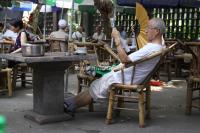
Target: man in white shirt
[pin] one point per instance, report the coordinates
(1, 30)
(98, 35)
(61, 34)
(79, 34)
(10, 34)
(99, 88)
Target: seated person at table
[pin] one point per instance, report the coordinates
(133, 38)
(22, 36)
(9, 34)
(99, 88)
(79, 34)
(98, 35)
(1, 30)
(122, 32)
(61, 34)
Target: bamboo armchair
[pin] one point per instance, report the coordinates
(193, 82)
(121, 92)
(84, 80)
(55, 44)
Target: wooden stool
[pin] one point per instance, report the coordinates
(8, 80)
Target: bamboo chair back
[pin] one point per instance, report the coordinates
(162, 54)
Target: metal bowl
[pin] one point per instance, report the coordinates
(33, 50)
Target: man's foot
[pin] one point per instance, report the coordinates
(66, 110)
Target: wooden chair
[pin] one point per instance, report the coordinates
(8, 83)
(193, 82)
(21, 73)
(55, 44)
(84, 80)
(121, 92)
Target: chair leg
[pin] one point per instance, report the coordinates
(169, 71)
(23, 79)
(79, 86)
(141, 109)
(9, 83)
(14, 78)
(189, 99)
(199, 100)
(110, 107)
(66, 80)
(120, 103)
(91, 107)
(148, 102)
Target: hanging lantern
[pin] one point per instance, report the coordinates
(78, 1)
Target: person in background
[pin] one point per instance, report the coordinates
(61, 34)
(67, 30)
(1, 30)
(22, 36)
(9, 34)
(99, 88)
(122, 32)
(133, 39)
(98, 35)
(79, 34)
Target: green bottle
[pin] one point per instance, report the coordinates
(2, 124)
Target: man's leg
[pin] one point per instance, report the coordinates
(82, 99)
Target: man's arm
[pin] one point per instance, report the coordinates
(121, 53)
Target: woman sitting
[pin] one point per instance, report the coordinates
(22, 36)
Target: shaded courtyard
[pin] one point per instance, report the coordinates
(168, 114)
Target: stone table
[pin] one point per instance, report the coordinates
(48, 83)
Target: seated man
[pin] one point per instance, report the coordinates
(99, 88)
(79, 34)
(98, 35)
(61, 34)
(1, 30)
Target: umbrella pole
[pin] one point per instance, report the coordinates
(5, 21)
(45, 16)
(72, 19)
(112, 20)
(61, 17)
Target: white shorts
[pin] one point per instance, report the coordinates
(99, 88)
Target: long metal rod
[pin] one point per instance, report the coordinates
(112, 20)
(45, 17)
(61, 17)
(72, 19)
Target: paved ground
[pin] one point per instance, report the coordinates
(168, 116)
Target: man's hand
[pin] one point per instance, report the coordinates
(115, 34)
(118, 67)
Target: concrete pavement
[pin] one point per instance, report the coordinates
(168, 106)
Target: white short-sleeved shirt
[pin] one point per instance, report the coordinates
(10, 33)
(61, 34)
(142, 69)
(77, 35)
(97, 36)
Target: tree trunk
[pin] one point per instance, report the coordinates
(105, 7)
(34, 23)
